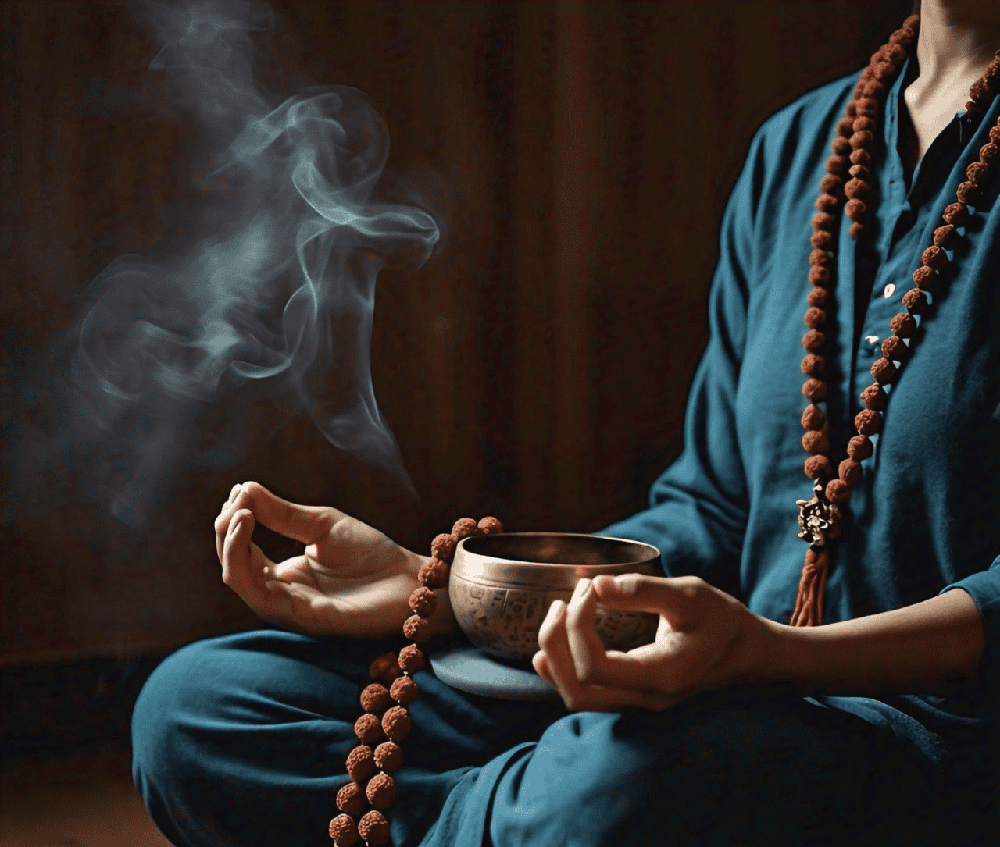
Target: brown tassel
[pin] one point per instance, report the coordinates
(809, 602)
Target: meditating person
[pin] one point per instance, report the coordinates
(826, 680)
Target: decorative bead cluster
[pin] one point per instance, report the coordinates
(852, 156)
(386, 720)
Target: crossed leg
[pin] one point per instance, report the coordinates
(241, 741)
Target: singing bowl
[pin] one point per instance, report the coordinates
(501, 587)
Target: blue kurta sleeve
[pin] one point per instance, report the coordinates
(697, 513)
(984, 588)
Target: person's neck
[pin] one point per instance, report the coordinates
(958, 38)
(957, 41)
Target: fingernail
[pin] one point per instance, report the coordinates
(582, 587)
(234, 526)
(233, 492)
(625, 583)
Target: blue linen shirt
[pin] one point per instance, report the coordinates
(926, 516)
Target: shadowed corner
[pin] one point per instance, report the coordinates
(65, 778)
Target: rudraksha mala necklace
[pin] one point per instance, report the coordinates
(386, 720)
(848, 178)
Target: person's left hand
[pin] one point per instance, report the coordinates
(705, 640)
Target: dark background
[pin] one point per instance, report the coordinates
(535, 368)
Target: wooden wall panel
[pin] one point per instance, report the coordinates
(535, 367)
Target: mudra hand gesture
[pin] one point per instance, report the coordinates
(705, 640)
(349, 580)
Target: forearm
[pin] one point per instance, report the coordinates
(916, 649)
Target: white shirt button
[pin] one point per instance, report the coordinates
(871, 339)
(888, 291)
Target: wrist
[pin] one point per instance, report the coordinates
(767, 652)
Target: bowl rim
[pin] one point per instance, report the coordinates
(650, 554)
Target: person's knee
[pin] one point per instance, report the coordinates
(178, 689)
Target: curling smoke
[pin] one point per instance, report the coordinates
(275, 302)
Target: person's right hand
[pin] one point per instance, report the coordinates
(350, 579)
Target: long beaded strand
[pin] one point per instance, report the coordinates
(852, 154)
(386, 720)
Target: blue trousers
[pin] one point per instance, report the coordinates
(241, 741)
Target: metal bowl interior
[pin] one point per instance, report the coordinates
(501, 587)
(551, 559)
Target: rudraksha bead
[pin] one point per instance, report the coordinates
(855, 209)
(831, 184)
(861, 172)
(822, 240)
(934, 257)
(816, 442)
(351, 798)
(375, 698)
(883, 370)
(867, 422)
(417, 629)
(874, 397)
(903, 324)
(465, 528)
(989, 152)
(814, 389)
(404, 690)
(818, 297)
(381, 791)
(411, 658)
(862, 158)
(818, 467)
(813, 340)
(838, 491)
(823, 220)
(895, 349)
(423, 601)
(490, 526)
(915, 301)
(443, 547)
(837, 164)
(925, 278)
(374, 828)
(821, 258)
(389, 756)
(827, 203)
(433, 574)
(812, 365)
(956, 214)
(360, 764)
(368, 729)
(860, 447)
(396, 723)
(850, 472)
(977, 172)
(385, 669)
(813, 417)
(968, 192)
(819, 275)
(840, 146)
(945, 236)
(344, 831)
(865, 107)
(814, 317)
(857, 189)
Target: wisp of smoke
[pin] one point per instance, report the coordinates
(274, 301)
